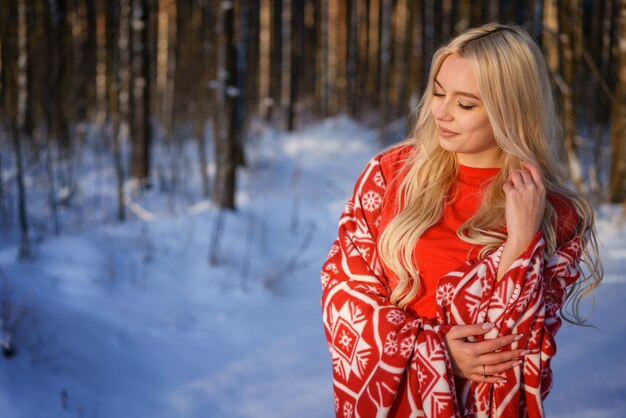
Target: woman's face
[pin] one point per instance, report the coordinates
(463, 125)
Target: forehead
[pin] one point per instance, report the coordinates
(456, 75)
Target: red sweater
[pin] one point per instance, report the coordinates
(440, 251)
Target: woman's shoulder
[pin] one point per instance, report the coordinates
(393, 159)
(567, 218)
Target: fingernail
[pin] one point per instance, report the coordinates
(524, 353)
(488, 325)
(519, 362)
(503, 380)
(519, 337)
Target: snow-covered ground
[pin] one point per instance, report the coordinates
(132, 321)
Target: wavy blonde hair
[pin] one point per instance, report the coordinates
(514, 84)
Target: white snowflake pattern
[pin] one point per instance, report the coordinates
(348, 409)
(406, 346)
(325, 279)
(445, 294)
(332, 267)
(345, 340)
(551, 307)
(371, 201)
(336, 404)
(395, 317)
(379, 180)
(391, 345)
(364, 251)
(421, 376)
(534, 336)
(406, 328)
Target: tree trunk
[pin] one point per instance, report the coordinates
(385, 62)
(286, 62)
(352, 63)
(567, 91)
(416, 56)
(112, 95)
(617, 185)
(141, 81)
(13, 36)
(229, 151)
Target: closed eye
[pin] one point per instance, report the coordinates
(465, 107)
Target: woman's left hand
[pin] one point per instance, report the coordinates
(525, 206)
(525, 203)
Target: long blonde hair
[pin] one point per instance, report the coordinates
(514, 84)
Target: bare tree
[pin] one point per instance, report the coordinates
(114, 116)
(13, 68)
(142, 24)
(617, 185)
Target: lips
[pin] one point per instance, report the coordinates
(446, 133)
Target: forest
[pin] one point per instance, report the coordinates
(145, 94)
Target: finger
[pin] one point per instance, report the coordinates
(459, 332)
(534, 171)
(527, 177)
(487, 379)
(507, 187)
(501, 367)
(489, 346)
(515, 178)
(502, 356)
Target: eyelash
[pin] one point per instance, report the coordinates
(462, 106)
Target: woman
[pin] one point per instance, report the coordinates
(459, 247)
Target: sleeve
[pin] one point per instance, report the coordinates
(525, 301)
(384, 360)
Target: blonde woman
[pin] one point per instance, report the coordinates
(443, 291)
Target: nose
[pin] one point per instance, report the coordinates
(441, 110)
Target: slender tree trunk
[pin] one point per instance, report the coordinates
(13, 48)
(401, 51)
(416, 55)
(229, 150)
(265, 58)
(112, 95)
(352, 64)
(296, 68)
(567, 90)
(324, 61)
(286, 62)
(141, 82)
(617, 185)
(385, 61)
(374, 50)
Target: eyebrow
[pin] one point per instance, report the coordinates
(459, 93)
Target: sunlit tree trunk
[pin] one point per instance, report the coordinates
(374, 50)
(416, 53)
(567, 14)
(399, 93)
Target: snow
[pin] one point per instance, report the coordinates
(130, 320)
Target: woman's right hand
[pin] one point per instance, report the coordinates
(481, 361)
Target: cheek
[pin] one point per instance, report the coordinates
(482, 128)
